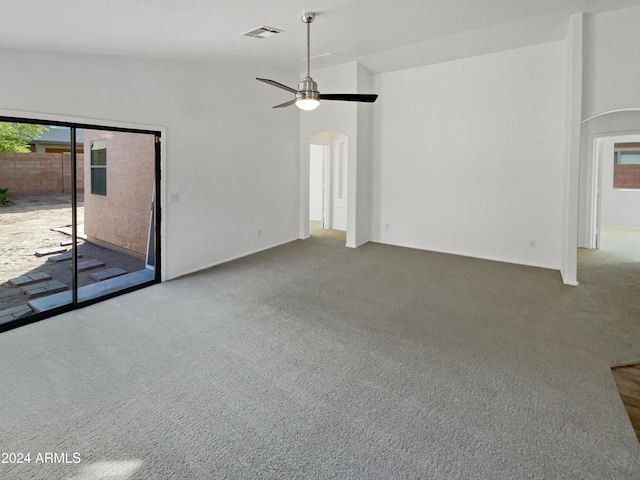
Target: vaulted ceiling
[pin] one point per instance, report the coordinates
(379, 33)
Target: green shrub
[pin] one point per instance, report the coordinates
(5, 197)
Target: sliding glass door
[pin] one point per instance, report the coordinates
(80, 216)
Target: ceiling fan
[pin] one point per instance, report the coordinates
(307, 95)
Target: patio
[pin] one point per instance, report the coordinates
(26, 227)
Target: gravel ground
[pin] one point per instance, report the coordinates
(26, 227)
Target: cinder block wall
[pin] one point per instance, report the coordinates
(626, 176)
(28, 174)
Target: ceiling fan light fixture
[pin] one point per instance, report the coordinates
(307, 103)
(307, 95)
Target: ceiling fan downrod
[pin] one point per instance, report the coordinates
(308, 18)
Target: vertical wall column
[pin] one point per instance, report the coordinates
(569, 265)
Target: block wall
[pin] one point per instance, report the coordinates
(626, 176)
(29, 174)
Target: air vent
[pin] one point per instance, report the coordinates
(262, 32)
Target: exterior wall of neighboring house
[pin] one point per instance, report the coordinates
(120, 218)
(56, 140)
(53, 148)
(627, 175)
(28, 174)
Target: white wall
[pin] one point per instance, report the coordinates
(468, 156)
(620, 208)
(612, 70)
(364, 117)
(574, 69)
(611, 79)
(230, 157)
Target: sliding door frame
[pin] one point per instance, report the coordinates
(159, 183)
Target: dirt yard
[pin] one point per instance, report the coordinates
(26, 227)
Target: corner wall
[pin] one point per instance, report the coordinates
(468, 156)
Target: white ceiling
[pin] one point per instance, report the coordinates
(376, 32)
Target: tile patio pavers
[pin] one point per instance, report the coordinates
(49, 251)
(15, 313)
(62, 257)
(29, 279)
(43, 288)
(108, 273)
(89, 264)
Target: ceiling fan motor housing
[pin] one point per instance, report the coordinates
(308, 89)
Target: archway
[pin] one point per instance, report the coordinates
(601, 135)
(325, 186)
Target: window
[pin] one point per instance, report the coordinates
(99, 167)
(627, 157)
(626, 166)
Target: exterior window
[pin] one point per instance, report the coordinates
(626, 166)
(627, 157)
(99, 167)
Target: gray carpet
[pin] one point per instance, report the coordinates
(312, 360)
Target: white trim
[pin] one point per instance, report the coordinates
(619, 110)
(246, 254)
(116, 124)
(596, 192)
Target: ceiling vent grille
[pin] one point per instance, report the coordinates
(262, 32)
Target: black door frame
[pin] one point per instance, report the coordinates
(75, 304)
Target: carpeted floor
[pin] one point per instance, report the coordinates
(312, 360)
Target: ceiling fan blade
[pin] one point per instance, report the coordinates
(276, 84)
(349, 97)
(286, 104)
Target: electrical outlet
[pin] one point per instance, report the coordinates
(174, 198)
(532, 244)
(454, 234)
(259, 232)
(386, 226)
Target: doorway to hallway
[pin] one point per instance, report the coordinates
(328, 180)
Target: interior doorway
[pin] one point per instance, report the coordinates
(610, 229)
(328, 185)
(615, 189)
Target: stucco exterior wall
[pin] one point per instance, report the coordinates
(120, 218)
